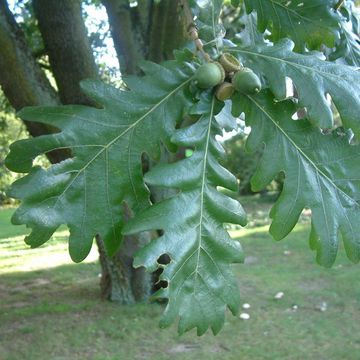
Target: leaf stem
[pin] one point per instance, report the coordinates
(339, 4)
(192, 30)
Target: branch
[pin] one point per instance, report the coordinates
(21, 78)
(168, 29)
(126, 27)
(67, 45)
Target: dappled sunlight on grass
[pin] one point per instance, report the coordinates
(239, 233)
(50, 308)
(16, 256)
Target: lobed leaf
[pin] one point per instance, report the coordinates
(321, 173)
(86, 192)
(249, 35)
(199, 281)
(348, 47)
(309, 24)
(313, 78)
(207, 21)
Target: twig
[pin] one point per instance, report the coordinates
(339, 4)
(192, 30)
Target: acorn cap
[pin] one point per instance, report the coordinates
(246, 81)
(209, 75)
(224, 91)
(230, 63)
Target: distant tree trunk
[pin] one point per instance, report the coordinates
(21, 78)
(66, 43)
(149, 31)
(168, 29)
(129, 26)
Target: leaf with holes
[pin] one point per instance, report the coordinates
(313, 78)
(309, 24)
(249, 34)
(321, 172)
(200, 282)
(86, 192)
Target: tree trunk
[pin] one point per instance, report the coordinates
(128, 26)
(66, 43)
(149, 31)
(168, 30)
(21, 78)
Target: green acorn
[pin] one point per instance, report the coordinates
(224, 91)
(209, 75)
(246, 81)
(230, 63)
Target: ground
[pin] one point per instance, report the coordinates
(50, 308)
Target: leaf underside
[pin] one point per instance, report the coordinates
(321, 173)
(200, 282)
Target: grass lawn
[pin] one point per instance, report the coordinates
(50, 308)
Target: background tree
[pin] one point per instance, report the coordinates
(175, 104)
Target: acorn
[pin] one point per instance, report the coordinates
(246, 81)
(224, 91)
(209, 75)
(230, 63)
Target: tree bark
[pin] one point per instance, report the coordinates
(168, 29)
(66, 43)
(149, 31)
(128, 26)
(21, 78)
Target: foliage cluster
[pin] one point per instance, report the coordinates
(312, 43)
(11, 129)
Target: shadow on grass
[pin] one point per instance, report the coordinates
(57, 313)
(49, 290)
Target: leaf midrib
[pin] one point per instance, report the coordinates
(313, 164)
(106, 147)
(290, 10)
(211, 115)
(294, 64)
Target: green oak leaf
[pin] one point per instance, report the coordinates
(313, 78)
(200, 282)
(322, 172)
(86, 192)
(309, 23)
(249, 35)
(207, 20)
(348, 48)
